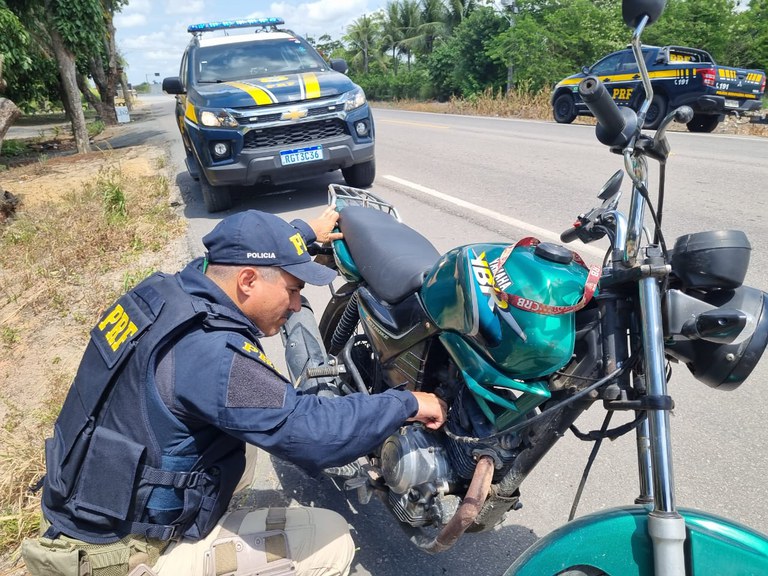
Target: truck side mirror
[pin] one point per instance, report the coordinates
(172, 85)
(339, 64)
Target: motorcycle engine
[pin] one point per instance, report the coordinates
(415, 466)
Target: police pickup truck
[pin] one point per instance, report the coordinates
(679, 76)
(265, 108)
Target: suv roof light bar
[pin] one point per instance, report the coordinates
(226, 24)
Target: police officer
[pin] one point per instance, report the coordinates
(150, 443)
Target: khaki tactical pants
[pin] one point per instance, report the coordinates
(246, 542)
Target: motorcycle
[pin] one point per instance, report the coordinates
(520, 340)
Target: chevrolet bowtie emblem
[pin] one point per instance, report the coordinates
(293, 115)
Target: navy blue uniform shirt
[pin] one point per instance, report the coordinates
(223, 379)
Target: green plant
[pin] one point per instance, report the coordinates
(94, 128)
(110, 185)
(9, 335)
(14, 148)
(132, 278)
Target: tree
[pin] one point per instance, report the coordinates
(362, 36)
(391, 33)
(704, 24)
(13, 44)
(63, 29)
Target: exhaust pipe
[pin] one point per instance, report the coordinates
(467, 512)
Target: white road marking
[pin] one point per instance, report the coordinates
(540, 233)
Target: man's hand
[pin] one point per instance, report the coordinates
(432, 410)
(324, 225)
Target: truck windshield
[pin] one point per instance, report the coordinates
(252, 59)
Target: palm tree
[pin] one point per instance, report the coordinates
(410, 21)
(391, 34)
(362, 36)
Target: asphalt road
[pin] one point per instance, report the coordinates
(519, 178)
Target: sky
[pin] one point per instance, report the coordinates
(152, 34)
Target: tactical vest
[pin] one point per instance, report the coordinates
(119, 461)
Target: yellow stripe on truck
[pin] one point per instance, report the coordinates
(311, 85)
(259, 95)
(189, 112)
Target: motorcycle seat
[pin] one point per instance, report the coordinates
(391, 257)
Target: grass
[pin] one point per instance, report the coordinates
(61, 263)
(516, 104)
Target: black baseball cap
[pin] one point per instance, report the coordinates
(254, 238)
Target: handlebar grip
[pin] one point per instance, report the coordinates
(615, 126)
(569, 235)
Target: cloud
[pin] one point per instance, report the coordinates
(187, 8)
(130, 20)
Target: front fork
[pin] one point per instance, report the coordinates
(666, 526)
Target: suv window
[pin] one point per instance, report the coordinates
(265, 57)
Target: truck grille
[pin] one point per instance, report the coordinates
(294, 134)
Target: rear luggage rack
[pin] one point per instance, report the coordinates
(340, 196)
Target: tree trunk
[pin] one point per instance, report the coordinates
(105, 113)
(66, 64)
(105, 104)
(126, 92)
(8, 114)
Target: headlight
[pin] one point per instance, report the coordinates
(354, 99)
(217, 119)
(720, 335)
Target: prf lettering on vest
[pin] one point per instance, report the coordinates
(248, 347)
(298, 242)
(117, 327)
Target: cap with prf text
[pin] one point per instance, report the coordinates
(254, 238)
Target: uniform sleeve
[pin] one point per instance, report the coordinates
(254, 403)
(305, 229)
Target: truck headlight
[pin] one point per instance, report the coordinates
(217, 119)
(354, 99)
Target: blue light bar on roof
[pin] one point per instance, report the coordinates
(224, 24)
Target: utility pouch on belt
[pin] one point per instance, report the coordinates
(59, 558)
(257, 554)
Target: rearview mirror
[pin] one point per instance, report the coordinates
(634, 10)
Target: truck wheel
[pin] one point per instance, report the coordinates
(216, 198)
(703, 123)
(564, 109)
(360, 175)
(656, 112)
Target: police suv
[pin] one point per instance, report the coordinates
(265, 108)
(679, 76)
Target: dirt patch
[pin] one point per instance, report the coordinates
(86, 228)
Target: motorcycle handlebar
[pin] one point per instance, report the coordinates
(569, 235)
(615, 126)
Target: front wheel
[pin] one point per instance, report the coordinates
(703, 123)
(216, 198)
(360, 175)
(564, 109)
(656, 112)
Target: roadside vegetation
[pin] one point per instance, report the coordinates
(64, 257)
(461, 51)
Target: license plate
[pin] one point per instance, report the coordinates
(301, 155)
(731, 103)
